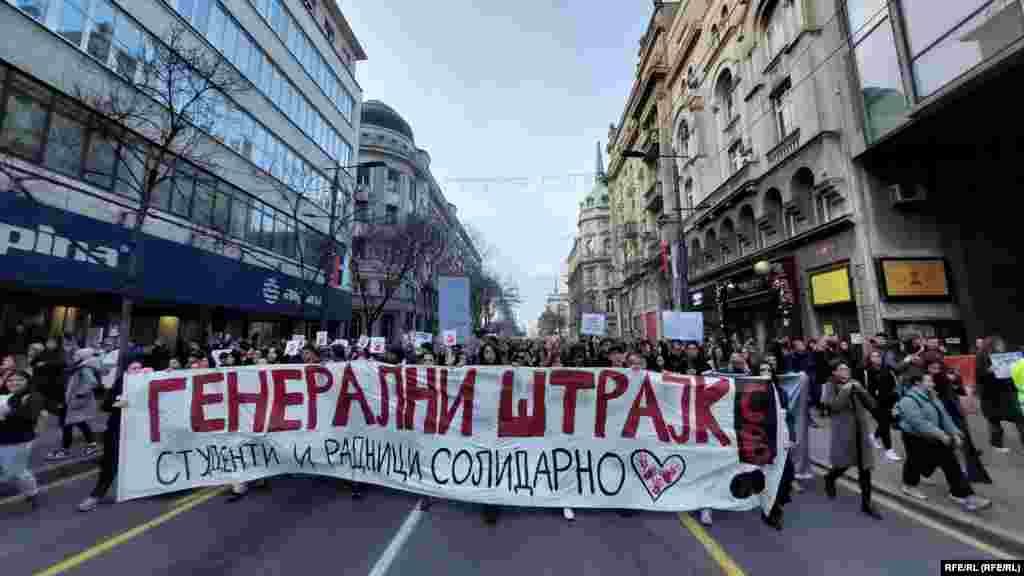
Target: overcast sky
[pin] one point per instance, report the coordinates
(509, 99)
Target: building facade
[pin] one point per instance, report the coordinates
(228, 246)
(388, 194)
(932, 92)
(590, 272)
(640, 206)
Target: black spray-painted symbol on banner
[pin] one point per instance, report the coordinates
(657, 476)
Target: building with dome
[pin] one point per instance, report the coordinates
(388, 193)
(590, 263)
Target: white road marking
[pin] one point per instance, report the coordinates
(397, 541)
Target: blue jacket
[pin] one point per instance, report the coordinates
(925, 416)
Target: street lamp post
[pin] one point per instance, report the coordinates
(331, 228)
(682, 287)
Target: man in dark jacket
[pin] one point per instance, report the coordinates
(692, 363)
(19, 412)
(802, 360)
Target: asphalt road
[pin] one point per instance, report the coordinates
(305, 525)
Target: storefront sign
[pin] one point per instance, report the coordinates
(924, 278)
(43, 246)
(832, 287)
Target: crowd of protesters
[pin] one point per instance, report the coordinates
(886, 385)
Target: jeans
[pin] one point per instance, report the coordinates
(14, 467)
(924, 455)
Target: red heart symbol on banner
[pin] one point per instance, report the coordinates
(657, 476)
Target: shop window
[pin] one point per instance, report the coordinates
(65, 144)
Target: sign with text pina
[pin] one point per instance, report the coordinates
(555, 437)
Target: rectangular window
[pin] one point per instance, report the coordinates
(239, 216)
(254, 232)
(24, 125)
(72, 21)
(266, 75)
(35, 8)
(221, 210)
(885, 105)
(100, 162)
(128, 48)
(216, 34)
(287, 234)
(181, 192)
(782, 111)
(203, 202)
(393, 176)
(184, 8)
(229, 45)
(201, 16)
(101, 32)
(362, 211)
(65, 144)
(130, 161)
(277, 15)
(244, 55)
(162, 192)
(391, 215)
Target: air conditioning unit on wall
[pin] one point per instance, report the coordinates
(907, 194)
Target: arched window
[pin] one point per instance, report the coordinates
(728, 239)
(688, 189)
(683, 139)
(725, 15)
(774, 26)
(747, 230)
(802, 191)
(773, 216)
(696, 255)
(724, 94)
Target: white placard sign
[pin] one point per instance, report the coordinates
(1002, 363)
(216, 355)
(423, 338)
(378, 345)
(364, 341)
(856, 338)
(292, 347)
(686, 326)
(321, 338)
(592, 325)
(619, 440)
(449, 337)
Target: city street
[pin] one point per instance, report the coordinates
(304, 524)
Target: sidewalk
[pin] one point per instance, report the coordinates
(1001, 525)
(47, 471)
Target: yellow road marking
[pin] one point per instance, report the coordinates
(110, 543)
(715, 550)
(194, 495)
(922, 519)
(52, 485)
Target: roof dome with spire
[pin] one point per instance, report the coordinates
(598, 195)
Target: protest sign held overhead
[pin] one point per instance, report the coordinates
(321, 338)
(450, 338)
(576, 437)
(687, 326)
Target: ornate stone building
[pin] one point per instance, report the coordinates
(590, 263)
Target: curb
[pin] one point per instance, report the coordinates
(967, 523)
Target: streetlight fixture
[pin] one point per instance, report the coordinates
(331, 231)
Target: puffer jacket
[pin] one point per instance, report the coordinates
(80, 392)
(922, 414)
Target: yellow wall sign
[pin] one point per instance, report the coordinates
(915, 278)
(831, 287)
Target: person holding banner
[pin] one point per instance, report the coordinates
(850, 405)
(784, 496)
(489, 356)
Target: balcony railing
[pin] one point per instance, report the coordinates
(787, 146)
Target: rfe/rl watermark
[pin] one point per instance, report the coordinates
(953, 567)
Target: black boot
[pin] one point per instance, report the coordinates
(773, 519)
(864, 479)
(830, 486)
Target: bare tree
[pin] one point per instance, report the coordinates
(164, 108)
(394, 254)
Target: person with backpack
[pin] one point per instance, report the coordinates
(82, 380)
(931, 437)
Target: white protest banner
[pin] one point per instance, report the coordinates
(378, 345)
(292, 347)
(321, 338)
(449, 337)
(423, 338)
(1002, 363)
(216, 355)
(364, 341)
(592, 325)
(576, 437)
(687, 326)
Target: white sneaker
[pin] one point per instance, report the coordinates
(972, 502)
(89, 504)
(803, 476)
(569, 514)
(705, 517)
(892, 456)
(1001, 449)
(878, 443)
(913, 492)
